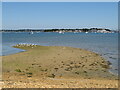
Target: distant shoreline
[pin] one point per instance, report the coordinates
(96, 30)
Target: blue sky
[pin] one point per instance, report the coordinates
(19, 15)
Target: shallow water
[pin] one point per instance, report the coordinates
(105, 44)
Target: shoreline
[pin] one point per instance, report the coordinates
(112, 72)
(56, 62)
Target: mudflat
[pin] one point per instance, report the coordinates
(56, 67)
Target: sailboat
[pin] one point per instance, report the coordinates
(61, 32)
(31, 32)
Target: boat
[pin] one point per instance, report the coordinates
(31, 32)
(61, 32)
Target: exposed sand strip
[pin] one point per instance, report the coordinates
(56, 66)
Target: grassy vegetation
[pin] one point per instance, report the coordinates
(57, 61)
(17, 70)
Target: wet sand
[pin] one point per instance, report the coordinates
(56, 67)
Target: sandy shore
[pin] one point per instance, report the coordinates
(56, 67)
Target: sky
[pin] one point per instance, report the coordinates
(60, 0)
(42, 15)
(0, 16)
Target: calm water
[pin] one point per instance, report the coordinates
(104, 44)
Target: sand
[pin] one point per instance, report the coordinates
(56, 67)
